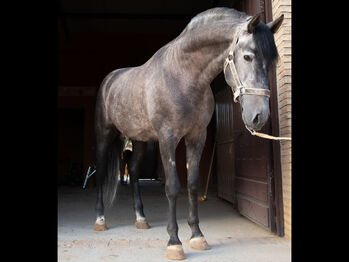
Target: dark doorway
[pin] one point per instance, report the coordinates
(94, 40)
(70, 146)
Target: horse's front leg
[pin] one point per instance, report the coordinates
(194, 145)
(167, 144)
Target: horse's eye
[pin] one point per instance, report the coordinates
(248, 58)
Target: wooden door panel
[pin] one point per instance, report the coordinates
(253, 169)
(252, 188)
(225, 145)
(225, 171)
(253, 164)
(258, 212)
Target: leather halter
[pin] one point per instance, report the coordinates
(238, 88)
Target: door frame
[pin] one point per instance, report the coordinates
(276, 157)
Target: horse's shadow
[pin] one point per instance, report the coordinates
(192, 253)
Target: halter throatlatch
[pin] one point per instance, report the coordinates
(238, 88)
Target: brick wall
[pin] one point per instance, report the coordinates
(284, 85)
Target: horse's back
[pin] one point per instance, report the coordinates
(141, 101)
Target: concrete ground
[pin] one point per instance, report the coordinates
(232, 237)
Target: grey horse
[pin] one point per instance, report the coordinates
(169, 98)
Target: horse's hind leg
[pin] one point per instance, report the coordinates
(103, 143)
(101, 169)
(194, 145)
(138, 151)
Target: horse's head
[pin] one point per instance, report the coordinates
(246, 68)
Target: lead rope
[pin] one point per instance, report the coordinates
(254, 133)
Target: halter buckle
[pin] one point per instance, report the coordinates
(237, 92)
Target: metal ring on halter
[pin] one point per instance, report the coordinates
(251, 130)
(237, 92)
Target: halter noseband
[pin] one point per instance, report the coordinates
(238, 88)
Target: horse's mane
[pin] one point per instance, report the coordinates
(219, 17)
(216, 15)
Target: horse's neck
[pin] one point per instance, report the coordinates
(203, 54)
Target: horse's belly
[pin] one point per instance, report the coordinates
(134, 124)
(140, 134)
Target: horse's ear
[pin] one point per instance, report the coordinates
(275, 25)
(254, 22)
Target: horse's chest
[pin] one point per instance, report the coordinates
(183, 112)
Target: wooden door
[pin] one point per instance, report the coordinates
(248, 167)
(244, 163)
(253, 173)
(225, 145)
(257, 160)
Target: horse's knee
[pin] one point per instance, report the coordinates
(172, 192)
(193, 184)
(172, 189)
(193, 187)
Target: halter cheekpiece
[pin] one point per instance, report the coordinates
(238, 88)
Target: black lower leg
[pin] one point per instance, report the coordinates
(99, 204)
(101, 169)
(172, 226)
(102, 145)
(172, 186)
(137, 199)
(193, 219)
(167, 144)
(135, 166)
(194, 146)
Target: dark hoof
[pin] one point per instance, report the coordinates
(175, 252)
(199, 243)
(142, 224)
(100, 227)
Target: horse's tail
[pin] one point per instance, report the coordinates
(111, 181)
(109, 144)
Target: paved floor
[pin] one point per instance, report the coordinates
(232, 237)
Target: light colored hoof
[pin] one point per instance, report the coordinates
(142, 224)
(199, 243)
(100, 227)
(175, 252)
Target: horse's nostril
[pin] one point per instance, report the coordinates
(256, 119)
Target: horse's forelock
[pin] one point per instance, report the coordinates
(265, 42)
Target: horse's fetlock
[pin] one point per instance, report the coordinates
(172, 230)
(193, 221)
